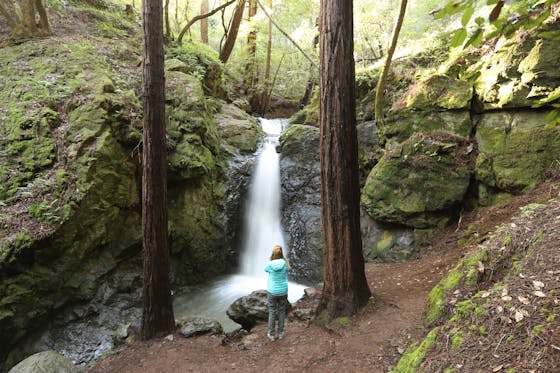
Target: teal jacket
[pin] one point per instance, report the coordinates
(277, 277)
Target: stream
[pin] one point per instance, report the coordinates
(262, 230)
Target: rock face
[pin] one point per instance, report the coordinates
(70, 178)
(301, 201)
(46, 362)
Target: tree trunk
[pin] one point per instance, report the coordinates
(345, 286)
(28, 17)
(250, 67)
(382, 82)
(204, 22)
(43, 19)
(226, 50)
(268, 47)
(22, 18)
(167, 26)
(157, 316)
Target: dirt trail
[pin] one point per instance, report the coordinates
(372, 342)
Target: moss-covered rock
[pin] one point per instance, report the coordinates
(413, 357)
(515, 148)
(240, 133)
(439, 92)
(417, 181)
(520, 72)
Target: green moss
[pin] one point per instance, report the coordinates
(339, 323)
(550, 318)
(457, 339)
(537, 329)
(411, 360)
(438, 297)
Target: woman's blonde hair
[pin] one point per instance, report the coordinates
(277, 253)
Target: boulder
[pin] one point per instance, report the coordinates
(417, 182)
(240, 133)
(199, 325)
(249, 310)
(515, 148)
(46, 362)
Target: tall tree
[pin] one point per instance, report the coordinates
(268, 47)
(382, 82)
(345, 286)
(233, 30)
(201, 17)
(157, 316)
(204, 22)
(22, 18)
(251, 65)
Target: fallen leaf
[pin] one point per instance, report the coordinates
(507, 298)
(538, 284)
(504, 292)
(539, 294)
(498, 368)
(480, 267)
(499, 309)
(485, 294)
(400, 350)
(523, 299)
(518, 316)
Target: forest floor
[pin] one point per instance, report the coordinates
(372, 342)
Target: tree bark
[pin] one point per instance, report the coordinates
(204, 22)
(227, 48)
(28, 16)
(43, 18)
(345, 288)
(251, 64)
(268, 47)
(157, 316)
(382, 82)
(166, 15)
(199, 17)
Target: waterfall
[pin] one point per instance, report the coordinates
(262, 230)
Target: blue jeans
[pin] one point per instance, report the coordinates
(276, 311)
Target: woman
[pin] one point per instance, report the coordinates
(277, 270)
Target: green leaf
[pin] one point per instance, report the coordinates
(467, 16)
(459, 37)
(479, 21)
(491, 2)
(475, 39)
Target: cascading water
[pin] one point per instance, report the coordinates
(262, 231)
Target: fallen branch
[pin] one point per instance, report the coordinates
(287, 36)
(202, 16)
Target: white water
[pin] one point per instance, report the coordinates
(262, 230)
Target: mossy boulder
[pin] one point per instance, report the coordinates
(438, 92)
(240, 132)
(417, 182)
(404, 123)
(515, 148)
(520, 72)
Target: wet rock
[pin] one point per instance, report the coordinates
(199, 325)
(249, 310)
(301, 201)
(45, 362)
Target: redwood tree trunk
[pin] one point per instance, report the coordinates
(345, 286)
(227, 48)
(157, 316)
(250, 67)
(204, 22)
(268, 47)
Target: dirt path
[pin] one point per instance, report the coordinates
(372, 342)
